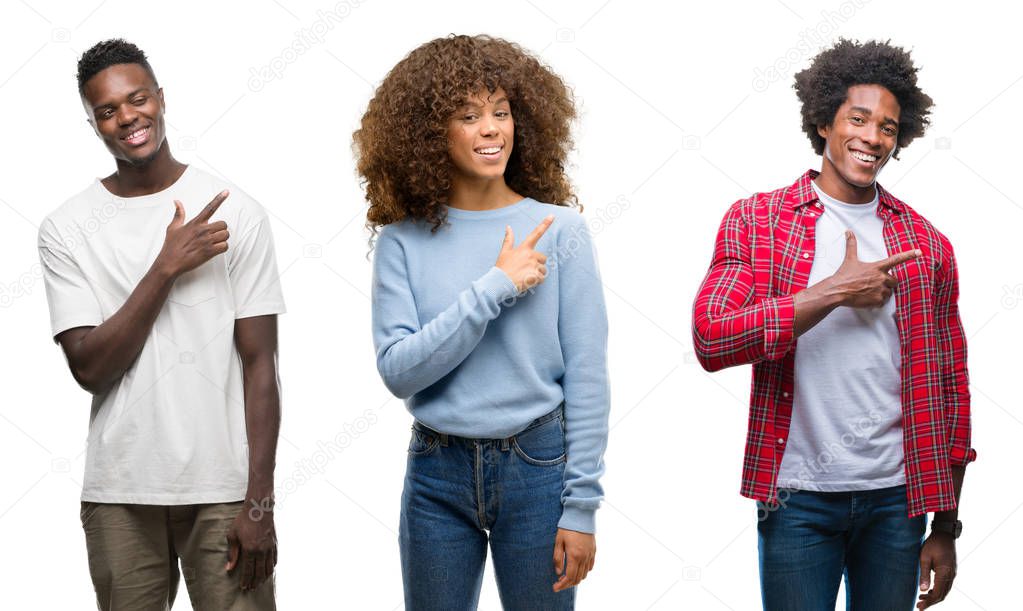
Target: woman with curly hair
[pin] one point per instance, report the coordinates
(498, 348)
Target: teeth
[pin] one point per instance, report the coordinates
(489, 151)
(136, 134)
(864, 156)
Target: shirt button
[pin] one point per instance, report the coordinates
(781, 440)
(806, 255)
(785, 394)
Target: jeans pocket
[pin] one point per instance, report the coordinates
(422, 443)
(542, 445)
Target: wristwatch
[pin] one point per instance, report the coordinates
(953, 528)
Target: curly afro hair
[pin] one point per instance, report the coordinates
(401, 147)
(822, 87)
(107, 53)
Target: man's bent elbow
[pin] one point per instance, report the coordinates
(90, 381)
(703, 346)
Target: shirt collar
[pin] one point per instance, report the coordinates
(801, 193)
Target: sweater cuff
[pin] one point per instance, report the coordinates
(578, 519)
(497, 285)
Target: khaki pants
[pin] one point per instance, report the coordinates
(134, 552)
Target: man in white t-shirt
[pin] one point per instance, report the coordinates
(163, 292)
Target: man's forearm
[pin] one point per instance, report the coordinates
(262, 426)
(722, 338)
(99, 356)
(958, 473)
(813, 304)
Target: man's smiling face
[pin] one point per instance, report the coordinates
(125, 107)
(862, 136)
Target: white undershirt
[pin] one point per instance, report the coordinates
(846, 429)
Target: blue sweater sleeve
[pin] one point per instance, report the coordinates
(582, 329)
(410, 356)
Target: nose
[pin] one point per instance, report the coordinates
(126, 115)
(488, 126)
(871, 135)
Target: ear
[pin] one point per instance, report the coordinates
(159, 94)
(89, 118)
(822, 131)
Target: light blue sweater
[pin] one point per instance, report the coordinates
(473, 358)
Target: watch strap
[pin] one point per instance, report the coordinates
(954, 528)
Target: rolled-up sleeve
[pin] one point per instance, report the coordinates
(731, 326)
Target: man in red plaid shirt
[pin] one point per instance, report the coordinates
(857, 434)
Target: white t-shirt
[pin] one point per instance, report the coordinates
(846, 429)
(171, 431)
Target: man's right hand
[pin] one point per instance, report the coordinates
(866, 285)
(190, 244)
(525, 266)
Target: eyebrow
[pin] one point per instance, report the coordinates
(475, 105)
(867, 112)
(95, 108)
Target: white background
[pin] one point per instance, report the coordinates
(673, 123)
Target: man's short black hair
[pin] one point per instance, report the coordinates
(822, 88)
(107, 53)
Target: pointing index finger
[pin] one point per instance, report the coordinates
(537, 233)
(902, 257)
(205, 214)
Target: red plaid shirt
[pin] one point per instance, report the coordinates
(744, 313)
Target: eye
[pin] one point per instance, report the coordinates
(502, 114)
(139, 101)
(858, 120)
(106, 114)
(470, 117)
(889, 130)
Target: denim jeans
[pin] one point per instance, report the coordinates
(461, 494)
(810, 540)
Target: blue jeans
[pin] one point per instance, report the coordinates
(461, 494)
(811, 539)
